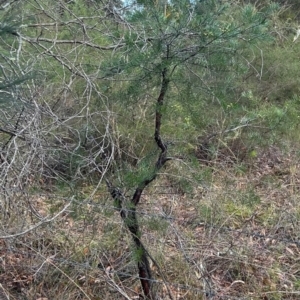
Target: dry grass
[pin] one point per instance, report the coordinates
(234, 238)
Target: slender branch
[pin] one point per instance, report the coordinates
(44, 221)
(130, 219)
(160, 102)
(12, 134)
(128, 214)
(60, 23)
(74, 42)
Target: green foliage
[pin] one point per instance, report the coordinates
(233, 76)
(11, 73)
(250, 198)
(157, 224)
(201, 46)
(137, 254)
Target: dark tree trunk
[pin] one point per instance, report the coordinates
(128, 210)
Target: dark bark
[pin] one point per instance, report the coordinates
(158, 116)
(128, 214)
(128, 210)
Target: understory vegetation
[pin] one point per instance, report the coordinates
(149, 149)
